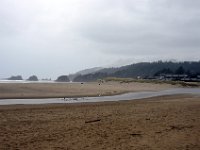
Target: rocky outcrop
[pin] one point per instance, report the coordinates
(33, 78)
(63, 78)
(15, 78)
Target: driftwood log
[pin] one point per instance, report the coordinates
(91, 121)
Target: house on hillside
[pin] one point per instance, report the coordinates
(178, 77)
(173, 77)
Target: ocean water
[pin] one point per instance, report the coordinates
(26, 81)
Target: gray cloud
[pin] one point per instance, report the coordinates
(161, 25)
(50, 38)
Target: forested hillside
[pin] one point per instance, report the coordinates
(144, 70)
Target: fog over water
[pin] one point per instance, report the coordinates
(50, 38)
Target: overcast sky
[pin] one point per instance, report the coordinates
(54, 37)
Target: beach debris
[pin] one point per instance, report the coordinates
(75, 99)
(136, 134)
(91, 121)
(70, 99)
(179, 127)
(158, 132)
(66, 99)
(176, 127)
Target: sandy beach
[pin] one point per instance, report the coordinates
(51, 90)
(164, 123)
(158, 123)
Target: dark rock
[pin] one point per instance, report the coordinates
(63, 78)
(15, 78)
(33, 78)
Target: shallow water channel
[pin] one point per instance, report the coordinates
(127, 96)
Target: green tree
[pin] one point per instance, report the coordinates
(180, 70)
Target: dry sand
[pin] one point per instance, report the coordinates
(161, 123)
(50, 90)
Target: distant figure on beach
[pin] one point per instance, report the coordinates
(100, 81)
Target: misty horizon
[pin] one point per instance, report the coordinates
(53, 38)
(72, 73)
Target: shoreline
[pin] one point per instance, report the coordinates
(142, 100)
(95, 99)
(88, 100)
(148, 99)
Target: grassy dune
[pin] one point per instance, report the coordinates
(154, 81)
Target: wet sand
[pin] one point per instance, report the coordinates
(60, 90)
(164, 123)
